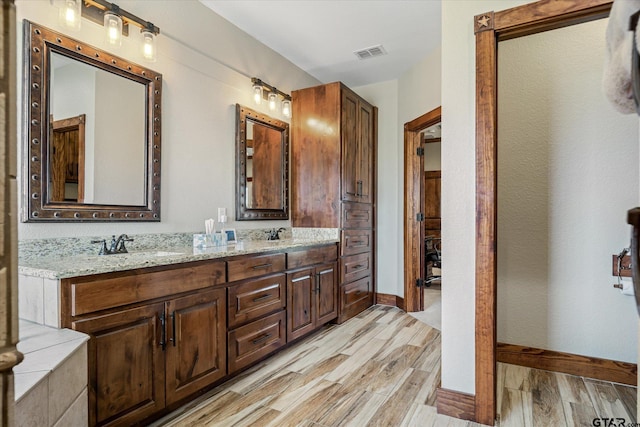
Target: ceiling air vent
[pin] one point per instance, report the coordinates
(370, 52)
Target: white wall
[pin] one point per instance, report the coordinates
(120, 133)
(415, 93)
(205, 62)
(568, 173)
(458, 189)
(433, 156)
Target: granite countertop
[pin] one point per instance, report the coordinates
(55, 266)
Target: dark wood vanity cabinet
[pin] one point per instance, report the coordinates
(144, 357)
(313, 299)
(160, 335)
(333, 170)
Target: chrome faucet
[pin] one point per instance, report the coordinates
(116, 247)
(274, 234)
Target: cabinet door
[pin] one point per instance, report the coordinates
(126, 365)
(364, 171)
(300, 306)
(326, 293)
(350, 147)
(196, 347)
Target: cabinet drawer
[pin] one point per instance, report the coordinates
(252, 342)
(355, 297)
(356, 241)
(248, 301)
(357, 215)
(253, 266)
(355, 267)
(355, 291)
(90, 294)
(312, 256)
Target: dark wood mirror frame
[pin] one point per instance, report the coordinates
(490, 28)
(39, 43)
(243, 212)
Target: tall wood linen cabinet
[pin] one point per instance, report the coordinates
(333, 169)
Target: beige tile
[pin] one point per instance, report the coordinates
(52, 303)
(32, 410)
(77, 414)
(67, 381)
(31, 298)
(606, 400)
(26, 381)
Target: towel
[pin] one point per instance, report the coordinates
(617, 69)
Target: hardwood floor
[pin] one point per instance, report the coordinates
(382, 368)
(532, 397)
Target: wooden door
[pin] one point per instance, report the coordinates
(364, 178)
(350, 146)
(197, 343)
(268, 168)
(326, 292)
(67, 159)
(432, 219)
(126, 365)
(300, 303)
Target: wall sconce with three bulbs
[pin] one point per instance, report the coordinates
(115, 20)
(260, 89)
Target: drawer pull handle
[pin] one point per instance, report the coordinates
(357, 242)
(300, 279)
(358, 292)
(257, 267)
(262, 298)
(357, 266)
(173, 328)
(261, 339)
(163, 333)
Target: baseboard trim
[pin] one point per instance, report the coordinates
(456, 404)
(573, 364)
(388, 299)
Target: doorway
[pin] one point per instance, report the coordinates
(414, 208)
(490, 28)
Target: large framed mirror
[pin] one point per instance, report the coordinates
(92, 123)
(262, 166)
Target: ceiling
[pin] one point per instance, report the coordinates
(320, 36)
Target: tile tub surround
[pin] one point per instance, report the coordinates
(50, 383)
(71, 257)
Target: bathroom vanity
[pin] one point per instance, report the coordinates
(166, 325)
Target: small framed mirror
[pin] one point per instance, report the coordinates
(93, 131)
(262, 166)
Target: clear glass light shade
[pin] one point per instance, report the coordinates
(70, 14)
(273, 101)
(286, 108)
(148, 46)
(257, 94)
(113, 29)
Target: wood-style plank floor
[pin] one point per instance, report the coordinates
(382, 368)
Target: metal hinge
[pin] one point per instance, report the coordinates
(419, 216)
(420, 151)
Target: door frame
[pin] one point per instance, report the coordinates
(490, 28)
(413, 204)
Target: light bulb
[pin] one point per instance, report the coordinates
(286, 108)
(113, 26)
(257, 94)
(273, 101)
(148, 45)
(69, 16)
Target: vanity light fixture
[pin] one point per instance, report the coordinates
(69, 15)
(115, 20)
(273, 101)
(259, 89)
(286, 107)
(113, 27)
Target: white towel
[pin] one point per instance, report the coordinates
(617, 70)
